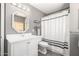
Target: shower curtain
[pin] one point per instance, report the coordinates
(54, 27)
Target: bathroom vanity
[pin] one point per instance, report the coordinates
(23, 45)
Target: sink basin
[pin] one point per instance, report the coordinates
(19, 37)
(24, 35)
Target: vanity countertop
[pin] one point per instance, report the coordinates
(12, 38)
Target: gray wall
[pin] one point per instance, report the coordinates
(0, 28)
(74, 49)
(74, 29)
(35, 15)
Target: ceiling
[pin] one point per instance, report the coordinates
(50, 7)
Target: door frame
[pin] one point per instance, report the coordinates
(2, 29)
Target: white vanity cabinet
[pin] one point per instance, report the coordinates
(18, 49)
(26, 47)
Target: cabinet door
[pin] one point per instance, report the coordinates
(20, 49)
(33, 47)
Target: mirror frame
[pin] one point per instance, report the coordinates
(26, 21)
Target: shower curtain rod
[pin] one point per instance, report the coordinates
(54, 18)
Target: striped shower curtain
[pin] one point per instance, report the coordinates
(55, 27)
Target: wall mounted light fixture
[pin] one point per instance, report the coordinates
(23, 7)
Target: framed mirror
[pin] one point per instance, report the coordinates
(20, 22)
